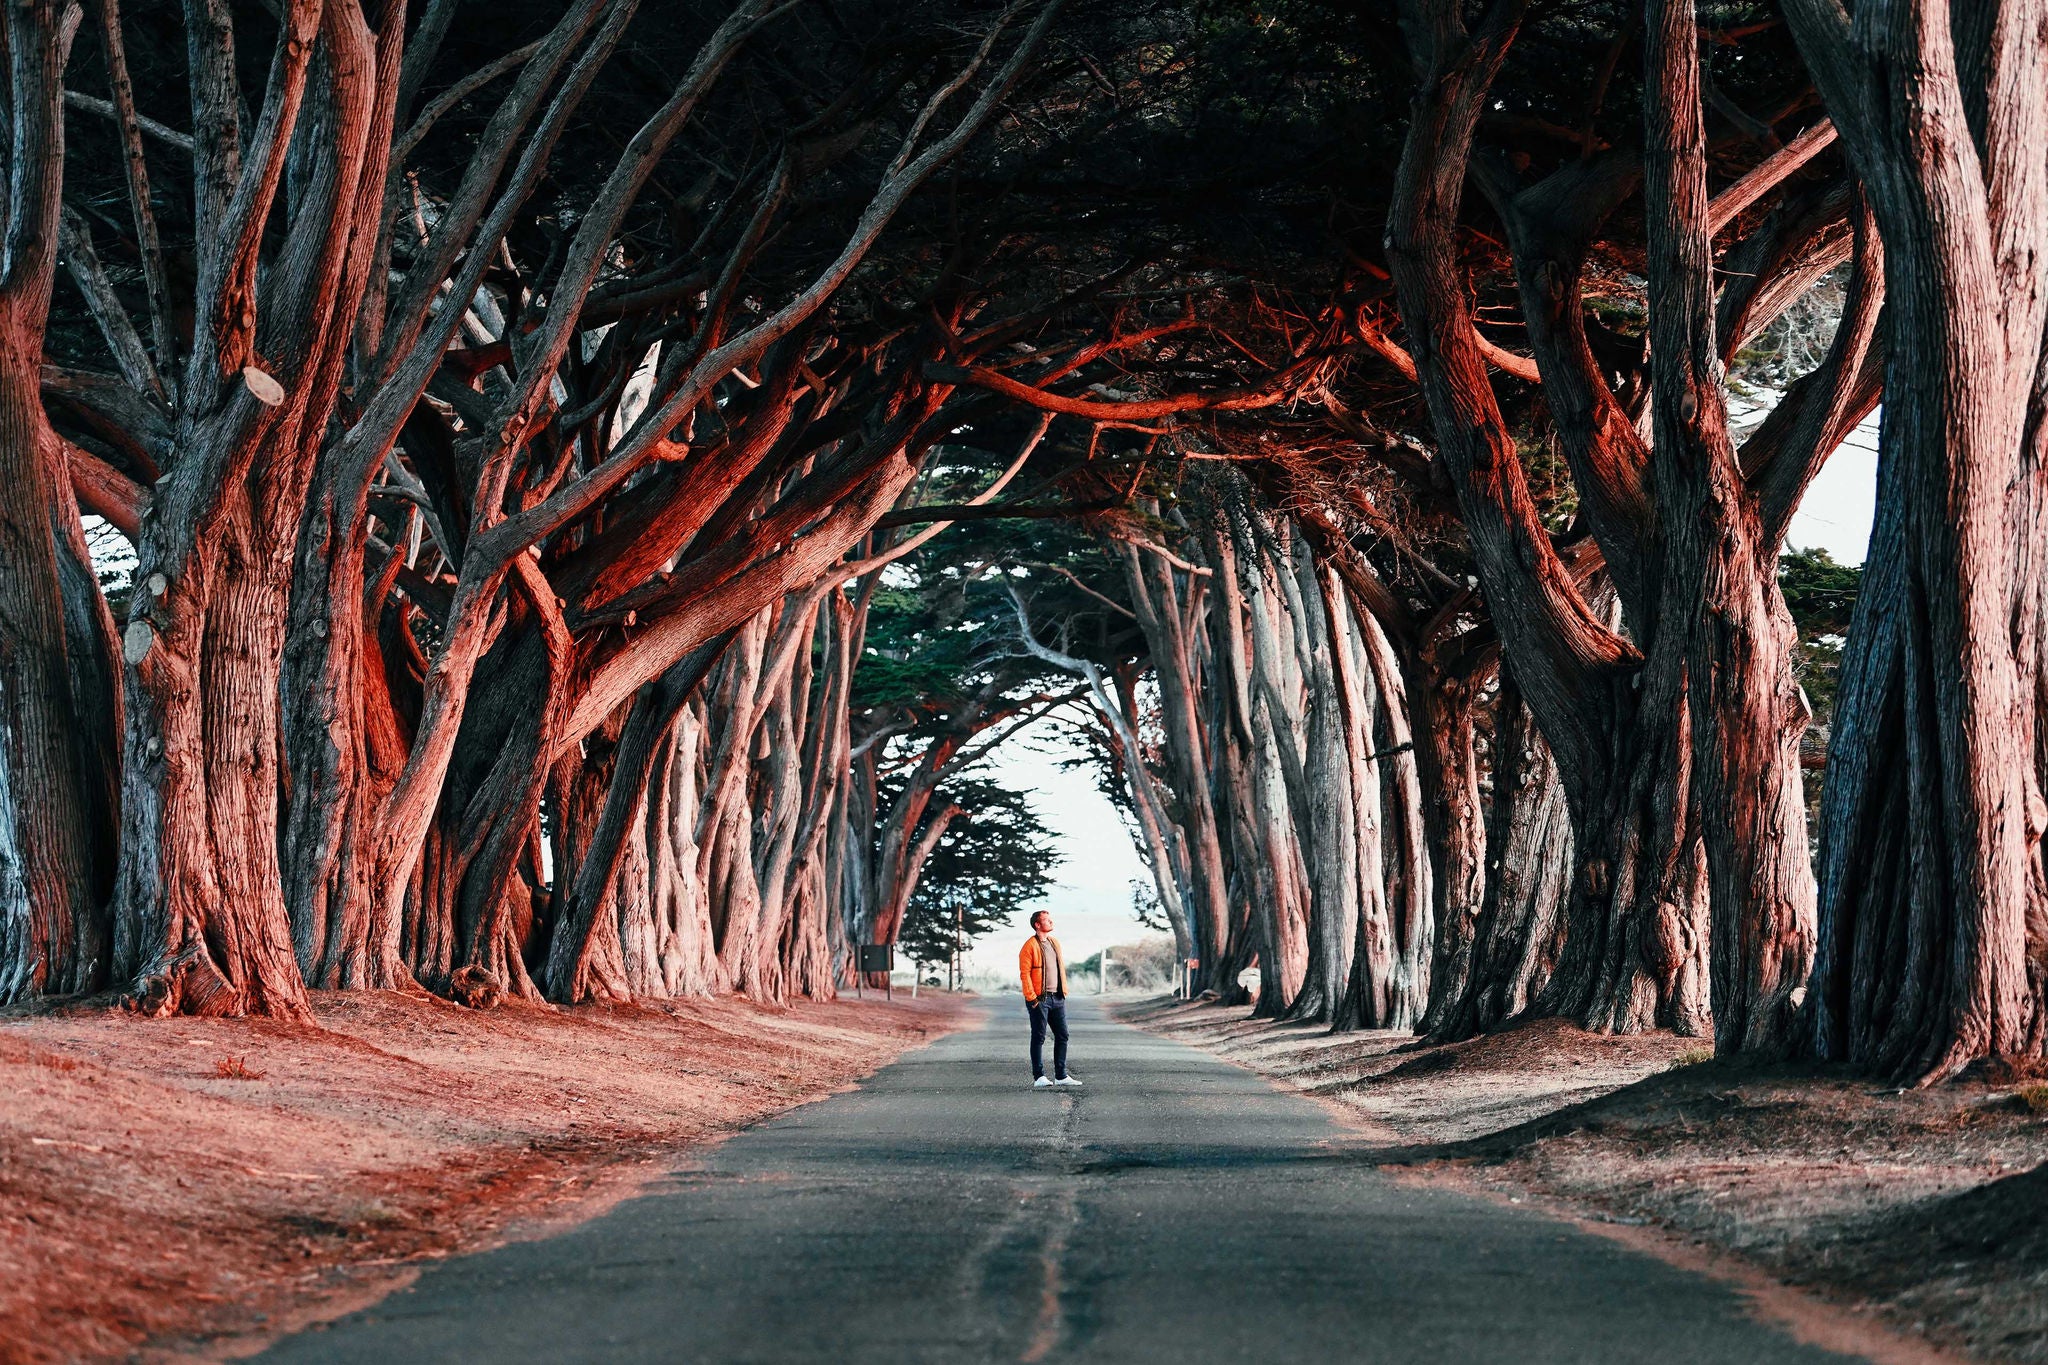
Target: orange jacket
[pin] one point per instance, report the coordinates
(1031, 968)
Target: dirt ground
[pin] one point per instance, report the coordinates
(1928, 1208)
(190, 1186)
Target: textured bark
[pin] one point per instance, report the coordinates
(1279, 667)
(777, 801)
(340, 742)
(498, 815)
(1408, 864)
(1388, 987)
(54, 846)
(1261, 834)
(202, 925)
(1520, 926)
(1720, 600)
(578, 952)
(55, 837)
(1330, 831)
(1931, 813)
(725, 826)
(1163, 615)
(680, 956)
(203, 928)
(1634, 951)
(808, 908)
(1455, 822)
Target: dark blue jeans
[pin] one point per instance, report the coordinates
(1050, 1012)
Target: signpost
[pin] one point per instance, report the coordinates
(876, 957)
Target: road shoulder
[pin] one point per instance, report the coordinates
(188, 1187)
(1914, 1219)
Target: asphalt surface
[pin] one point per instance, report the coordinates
(1174, 1209)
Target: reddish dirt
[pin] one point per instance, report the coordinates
(1926, 1209)
(169, 1186)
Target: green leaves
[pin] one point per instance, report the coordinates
(991, 863)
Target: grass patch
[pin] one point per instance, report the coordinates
(236, 1069)
(2034, 1096)
(1691, 1057)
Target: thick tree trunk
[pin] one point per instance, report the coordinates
(1633, 949)
(55, 844)
(725, 824)
(1931, 814)
(1260, 833)
(1176, 667)
(682, 956)
(812, 901)
(1411, 874)
(778, 802)
(1721, 604)
(340, 743)
(1521, 923)
(1455, 823)
(203, 928)
(54, 929)
(1331, 850)
(581, 947)
(1277, 725)
(1388, 987)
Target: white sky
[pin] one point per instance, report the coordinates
(1839, 505)
(1091, 902)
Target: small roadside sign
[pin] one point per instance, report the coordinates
(876, 957)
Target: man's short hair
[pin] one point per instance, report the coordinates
(1037, 915)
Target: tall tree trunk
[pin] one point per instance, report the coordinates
(54, 839)
(1260, 833)
(1721, 604)
(1388, 988)
(54, 930)
(1331, 850)
(1634, 950)
(689, 961)
(1455, 823)
(202, 926)
(1176, 668)
(337, 763)
(580, 949)
(1931, 813)
(1521, 924)
(204, 929)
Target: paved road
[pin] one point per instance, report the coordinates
(1177, 1209)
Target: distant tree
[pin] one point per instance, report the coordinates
(1821, 595)
(987, 867)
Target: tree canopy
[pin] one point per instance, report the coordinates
(599, 475)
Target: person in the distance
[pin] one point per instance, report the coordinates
(1043, 968)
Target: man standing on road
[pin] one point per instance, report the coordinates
(1043, 968)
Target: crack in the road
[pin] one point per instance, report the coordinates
(1020, 1262)
(1050, 1325)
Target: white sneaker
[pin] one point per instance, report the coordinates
(1041, 1084)
(1066, 1080)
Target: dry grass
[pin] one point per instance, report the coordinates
(150, 1193)
(1930, 1206)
